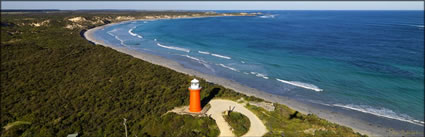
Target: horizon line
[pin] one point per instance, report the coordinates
(219, 10)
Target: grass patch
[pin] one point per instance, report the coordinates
(175, 125)
(239, 123)
(290, 123)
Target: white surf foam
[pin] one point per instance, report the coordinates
(259, 75)
(221, 56)
(134, 34)
(193, 58)
(116, 37)
(204, 52)
(414, 25)
(200, 61)
(110, 32)
(301, 84)
(262, 75)
(121, 41)
(382, 112)
(224, 66)
(208, 66)
(154, 39)
(419, 26)
(268, 16)
(174, 48)
(114, 30)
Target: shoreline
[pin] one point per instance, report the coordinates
(357, 125)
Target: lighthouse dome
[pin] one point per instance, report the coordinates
(194, 84)
(195, 81)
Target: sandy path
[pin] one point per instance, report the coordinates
(218, 106)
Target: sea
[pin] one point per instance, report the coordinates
(368, 62)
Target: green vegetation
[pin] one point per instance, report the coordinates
(57, 81)
(16, 128)
(62, 84)
(239, 122)
(16, 123)
(175, 125)
(290, 123)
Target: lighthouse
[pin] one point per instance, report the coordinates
(195, 97)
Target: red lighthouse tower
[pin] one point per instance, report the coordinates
(195, 97)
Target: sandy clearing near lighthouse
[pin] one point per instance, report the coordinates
(218, 106)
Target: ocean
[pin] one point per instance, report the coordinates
(370, 62)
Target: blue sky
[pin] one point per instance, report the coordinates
(218, 5)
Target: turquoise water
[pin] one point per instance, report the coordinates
(365, 61)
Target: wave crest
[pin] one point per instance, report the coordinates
(174, 48)
(116, 37)
(203, 52)
(302, 85)
(224, 66)
(193, 58)
(134, 34)
(268, 16)
(382, 112)
(200, 61)
(259, 75)
(221, 56)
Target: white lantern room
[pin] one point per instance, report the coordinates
(194, 84)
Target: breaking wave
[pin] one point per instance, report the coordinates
(419, 26)
(259, 75)
(174, 48)
(268, 16)
(224, 66)
(134, 34)
(200, 61)
(221, 56)
(193, 58)
(382, 112)
(116, 37)
(204, 52)
(302, 85)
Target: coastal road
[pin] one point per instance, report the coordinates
(218, 106)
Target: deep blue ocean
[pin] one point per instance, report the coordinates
(366, 61)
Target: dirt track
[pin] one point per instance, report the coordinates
(218, 106)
